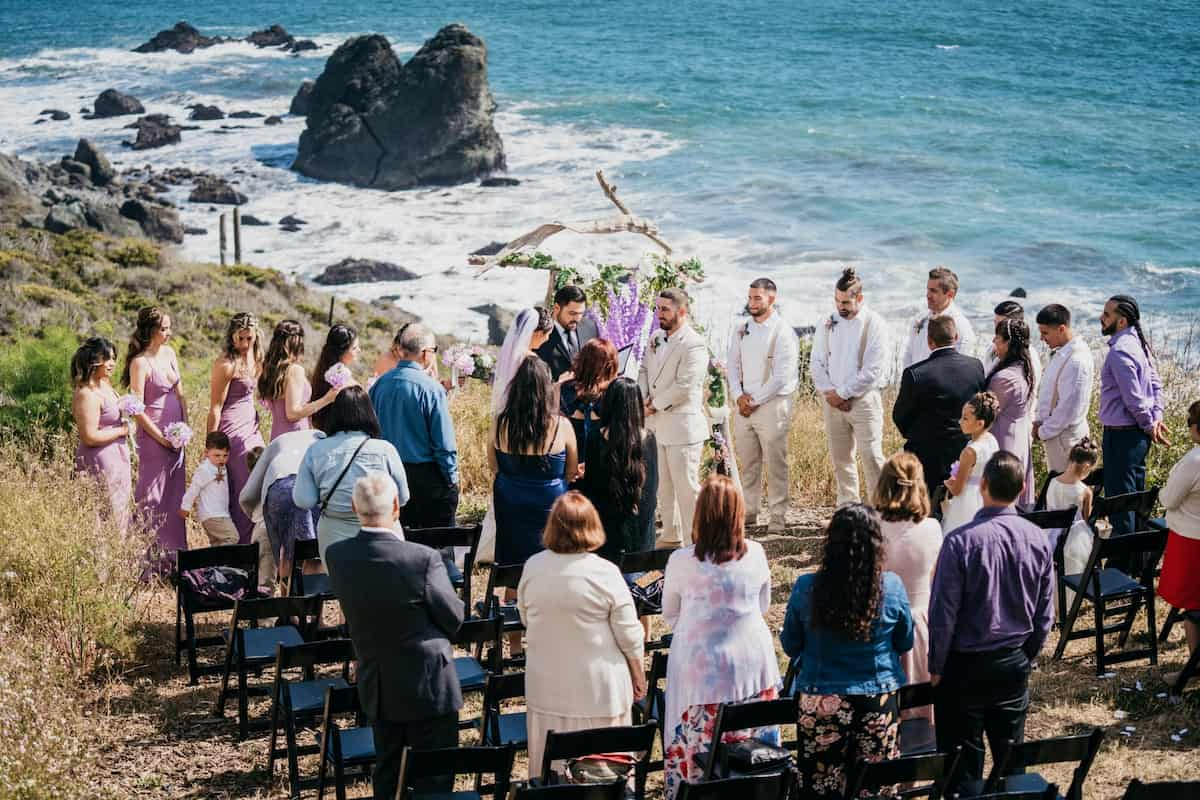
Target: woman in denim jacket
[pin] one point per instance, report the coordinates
(849, 644)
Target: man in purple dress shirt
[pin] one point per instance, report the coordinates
(1131, 407)
(989, 614)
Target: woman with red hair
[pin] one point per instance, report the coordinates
(595, 368)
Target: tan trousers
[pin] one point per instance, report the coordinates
(678, 488)
(267, 568)
(858, 430)
(220, 530)
(761, 440)
(1058, 449)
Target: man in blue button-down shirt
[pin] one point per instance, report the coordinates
(414, 415)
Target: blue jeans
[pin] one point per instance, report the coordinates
(1124, 469)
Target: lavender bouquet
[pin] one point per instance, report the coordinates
(338, 376)
(178, 434)
(625, 323)
(130, 406)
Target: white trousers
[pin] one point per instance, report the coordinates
(1058, 448)
(678, 488)
(859, 430)
(761, 440)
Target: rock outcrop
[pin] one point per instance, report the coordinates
(182, 38)
(299, 106)
(112, 103)
(203, 113)
(362, 270)
(274, 36)
(499, 320)
(211, 189)
(154, 130)
(375, 122)
(102, 171)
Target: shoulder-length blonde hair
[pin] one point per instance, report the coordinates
(901, 493)
(573, 525)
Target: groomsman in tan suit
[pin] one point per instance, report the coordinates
(672, 379)
(764, 360)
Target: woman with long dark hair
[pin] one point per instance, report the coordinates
(231, 407)
(1013, 380)
(622, 481)
(848, 623)
(152, 374)
(595, 368)
(341, 346)
(283, 386)
(103, 452)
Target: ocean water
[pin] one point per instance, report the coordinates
(1052, 147)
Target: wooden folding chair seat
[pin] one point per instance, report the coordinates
(1009, 775)
(716, 763)
(350, 749)
(1049, 793)
(917, 734)
(638, 739)
(419, 765)
(935, 771)
(314, 584)
(189, 603)
(499, 727)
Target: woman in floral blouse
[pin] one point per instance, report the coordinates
(714, 597)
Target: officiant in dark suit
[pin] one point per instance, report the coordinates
(571, 331)
(932, 394)
(402, 613)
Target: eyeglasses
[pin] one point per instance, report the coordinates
(430, 349)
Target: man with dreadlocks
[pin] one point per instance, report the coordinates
(1131, 406)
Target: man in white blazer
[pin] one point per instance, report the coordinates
(672, 380)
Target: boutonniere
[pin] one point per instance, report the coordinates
(920, 326)
(655, 341)
(743, 330)
(831, 323)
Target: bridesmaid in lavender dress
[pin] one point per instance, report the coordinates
(231, 409)
(152, 374)
(1012, 381)
(283, 387)
(341, 346)
(103, 452)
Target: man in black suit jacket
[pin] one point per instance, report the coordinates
(571, 330)
(402, 613)
(932, 394)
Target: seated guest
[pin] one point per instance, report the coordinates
(1179, 585)
(584, 658)
(848, 623)
(595, 368)
(714, 597)
(402, 613)
(911, 542)
(414, 415)
(989, 615)
(623, 481)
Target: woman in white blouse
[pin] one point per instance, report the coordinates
(583, 665)
(1179, 583)
(714, 597)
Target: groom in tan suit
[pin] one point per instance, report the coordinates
(672, 380)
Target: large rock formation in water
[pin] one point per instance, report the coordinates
(183, 38)
(373, 121)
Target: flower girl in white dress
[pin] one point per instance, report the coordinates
(1069, 489)
(978, 414)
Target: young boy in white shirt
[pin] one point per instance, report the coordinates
(209, 492)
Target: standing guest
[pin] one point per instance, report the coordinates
(622, 482)
(911, 540)
(268, 493)
(231, 406)
(283, 386)
(209, 492)
(349, 446)
(571, 331)
(594, 369)
(584, 665)
(103, 451)
(849, 357)
(764, 371)
(402, 613)
(268, 560)
(848, 623)
(940, 291)
(341, 347)
(965, 481)
(532, 451)
(990, 613)
(1010, 309)
(1065, 395)
(932, 394)
(414, 415)
(386, 362)
(1012, 379)
(672, 380)
(152, 375)
(714, 597)
(1131, 404)
(1178, 584)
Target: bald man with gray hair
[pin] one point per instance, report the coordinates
(414, 415)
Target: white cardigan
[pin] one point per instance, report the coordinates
(1181, 495)
(580, 628)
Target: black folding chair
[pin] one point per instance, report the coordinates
(350, 749)
(1056, 523)
(1192, 668)
(472, 671)
(1008, 774)
(444, 539)
(501, 576)
(648, 561)
(936, 499)
(653, 705)
(1173, 616)
(299, 702)
(497, 727)
(721, 762)
(1113, 593)
(789, 677)
(917, 734)
(252, 649)
(1049, 793)
(750, 787)
(573, 791)
(578, 744)
(1166, 790)
(189, 603)
(934, 770)
(1040, 503)
(418, 765)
